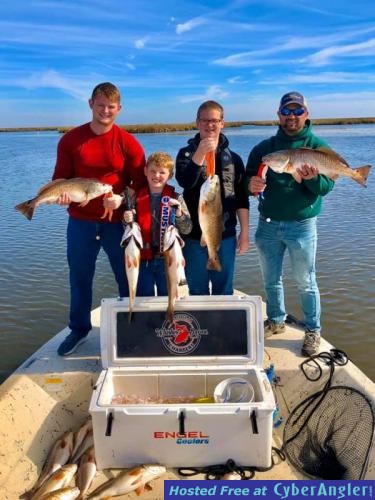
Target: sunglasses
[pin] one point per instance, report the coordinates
(295, 112)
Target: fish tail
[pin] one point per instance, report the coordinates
(213, 264)
(27, 208)
(361, 174)
(170, 312)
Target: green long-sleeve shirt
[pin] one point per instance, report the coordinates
(284, 198)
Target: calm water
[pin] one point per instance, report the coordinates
(34, 276)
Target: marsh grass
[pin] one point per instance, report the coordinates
(156, 128)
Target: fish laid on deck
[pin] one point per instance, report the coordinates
(133, 480)
(132, 242)
(86, 471)
(79, 189)
(327, 162)
(57, 457)
(62, 494)
(61, 478)
(80, 435)
(174, 266)
(210, 219)
(87, 442)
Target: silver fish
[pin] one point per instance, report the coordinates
(132, 242)
(86, 471)
(210, 220)
(62, 494)
(80, 190)
(327, 162)
(80, 435)
(87, 442)
(134, 480)
(59, 479)
(174, 266)
(57, 457)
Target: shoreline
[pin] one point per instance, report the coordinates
(153, 128)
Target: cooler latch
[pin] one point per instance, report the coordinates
(181, 422)
(254, 424)
(110, 417)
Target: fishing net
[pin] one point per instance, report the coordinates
(329, 434)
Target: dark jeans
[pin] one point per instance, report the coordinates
(197, 275)
(84, 241)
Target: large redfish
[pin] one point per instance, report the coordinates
(327, 162)
(210, 220)
(79, 189)
(174, 266)
(132, 242)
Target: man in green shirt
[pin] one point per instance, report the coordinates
(287, 220)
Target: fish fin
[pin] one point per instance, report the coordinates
(333, 154)
(49, 184)
(84, 203)
(213, 264)
(361, 174)
(203, 206)
(148, 487)
(27, 208)
(296, 176)
(203, 241)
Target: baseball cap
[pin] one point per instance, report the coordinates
(293, 98)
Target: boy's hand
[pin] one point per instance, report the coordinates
(242, 242)
(205, 146)
(175, 203)
(129, 216)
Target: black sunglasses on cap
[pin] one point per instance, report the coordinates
(295, 112)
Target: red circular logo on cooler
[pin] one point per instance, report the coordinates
(182, 335)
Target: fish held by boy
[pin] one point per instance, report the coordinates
(136, 479)
(79, 189)
(132, 242)
(210, 220)
(174, 266)
(326, 161)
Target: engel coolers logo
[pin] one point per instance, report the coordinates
(190, 437)
(182, 336)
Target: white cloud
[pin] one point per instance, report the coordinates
(236, 79)
(213, 92)
(189, 25)
(52, 79)
(323, 57)
(329, 77)
(141, 42)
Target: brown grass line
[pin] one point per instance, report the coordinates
(181, 127)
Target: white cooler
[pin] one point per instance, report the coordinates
(167, 374)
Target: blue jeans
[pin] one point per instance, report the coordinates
(152, 272)
(84, 241)
(197, 275)
(300, 239)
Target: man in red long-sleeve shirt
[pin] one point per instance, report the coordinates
(101, 150)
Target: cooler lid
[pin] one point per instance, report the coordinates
(206, 330)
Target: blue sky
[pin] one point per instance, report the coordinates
(169, 56)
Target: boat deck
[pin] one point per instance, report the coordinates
(48, 395)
